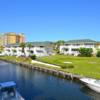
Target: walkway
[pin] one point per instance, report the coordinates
(38, 62)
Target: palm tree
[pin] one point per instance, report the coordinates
(29, 45)
(1, 49)
(57, 45)
(14, 51)
(23, 45)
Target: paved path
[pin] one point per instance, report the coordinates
(38, 62)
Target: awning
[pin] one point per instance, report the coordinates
(7, 84)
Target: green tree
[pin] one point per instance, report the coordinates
(57, 45)
(29, 46)
(23, 45)
(1, 49)
(98, 53)
(14, 51)
(33, 57)
(85, 52)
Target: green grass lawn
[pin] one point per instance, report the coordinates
(84, 66)
(18, 59)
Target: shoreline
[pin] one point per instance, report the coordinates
(45, 70)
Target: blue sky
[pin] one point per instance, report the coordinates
(51, 20)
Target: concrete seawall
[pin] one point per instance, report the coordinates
(46, 70)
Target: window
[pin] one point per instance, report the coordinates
(41, 46)
(20, 50)
(74, 49)
(31, 51)
(88, 44)
(28, 50)
(67, 44)
(39, 51)
(76, 44)
(65, 49)
(8, 50)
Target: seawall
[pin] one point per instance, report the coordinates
(46, 70)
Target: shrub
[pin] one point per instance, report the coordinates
(33, 57)
(85, 52)
(98, 54)
(64, 66)
(14, 51)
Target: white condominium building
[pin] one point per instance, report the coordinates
(71, 47)
(37, 48)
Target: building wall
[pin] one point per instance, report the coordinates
(73, 49)
(98, 46)
(21, 38)
(11, 38)
(38, 51)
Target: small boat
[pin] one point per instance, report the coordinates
(9, 92)
(92, 83)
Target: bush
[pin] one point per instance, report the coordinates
(33, 57)
(85, 52)
(14, 51)
(98, 54)
(64, 66)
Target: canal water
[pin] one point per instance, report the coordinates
(35, 85)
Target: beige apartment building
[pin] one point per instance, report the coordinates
(11, 38)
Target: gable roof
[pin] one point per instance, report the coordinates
(34, 44)
(13, 45)
(80, 41)
(40, 43)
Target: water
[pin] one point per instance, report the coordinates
(34, 85)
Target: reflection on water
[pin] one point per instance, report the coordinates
(93, 94)
(34, 85)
